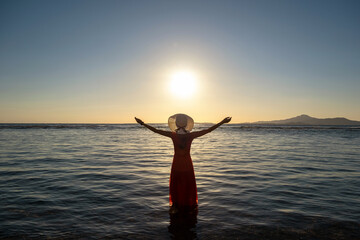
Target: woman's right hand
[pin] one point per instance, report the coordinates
(139, 121)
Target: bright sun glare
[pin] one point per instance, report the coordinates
(183, 84)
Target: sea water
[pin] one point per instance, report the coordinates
(95, 181)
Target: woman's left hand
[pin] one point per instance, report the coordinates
(226, 120)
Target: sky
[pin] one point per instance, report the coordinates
(108, 61)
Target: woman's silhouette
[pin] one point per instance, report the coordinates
(183, 192)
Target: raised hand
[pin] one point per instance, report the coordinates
(226, 120)
(158, 131)
(139, 121)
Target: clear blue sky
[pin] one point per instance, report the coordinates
(106, 61)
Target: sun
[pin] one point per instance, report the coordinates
(183, 84)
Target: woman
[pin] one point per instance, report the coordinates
(183, 192)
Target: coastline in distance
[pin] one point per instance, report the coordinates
(307, 120)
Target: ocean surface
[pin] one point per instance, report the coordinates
(96, 181)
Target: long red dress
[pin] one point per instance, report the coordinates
(183, 192)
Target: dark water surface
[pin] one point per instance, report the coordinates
(88, 181)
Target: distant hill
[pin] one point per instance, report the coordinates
(307, 120)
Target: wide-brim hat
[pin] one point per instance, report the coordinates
(180, 120)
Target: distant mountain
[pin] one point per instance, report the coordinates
(307, 120)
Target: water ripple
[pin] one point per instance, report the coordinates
(111, 181)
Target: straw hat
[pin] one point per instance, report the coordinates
(180, 121)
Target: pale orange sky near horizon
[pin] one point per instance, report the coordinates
(154, 103)
(211, 102)
(96, 62)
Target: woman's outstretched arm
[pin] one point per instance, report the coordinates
(203, 132)
(161, 132)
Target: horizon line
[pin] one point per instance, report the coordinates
(254, 122)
